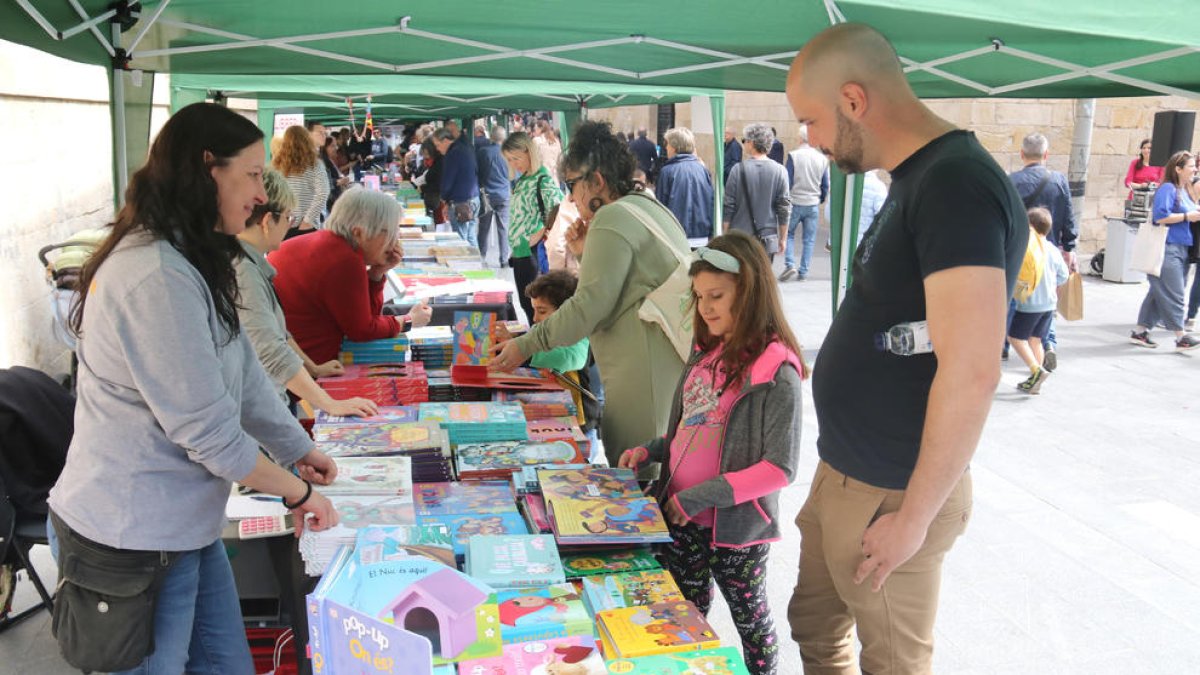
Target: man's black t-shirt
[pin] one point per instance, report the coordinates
(950, 205)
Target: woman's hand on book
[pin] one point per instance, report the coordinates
(316, 514)
(506, 356)
(328, 369)
(353, 407)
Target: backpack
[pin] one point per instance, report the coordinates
(1032, 268)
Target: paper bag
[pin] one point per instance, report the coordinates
(1070, 298)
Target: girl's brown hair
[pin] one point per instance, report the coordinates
(296, 152)
(1177, 162)
(758, 316)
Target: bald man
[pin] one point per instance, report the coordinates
(892, 491)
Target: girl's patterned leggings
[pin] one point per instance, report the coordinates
(741, 573)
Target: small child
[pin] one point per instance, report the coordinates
(547, 293)
(1031, 320)
(723, 466)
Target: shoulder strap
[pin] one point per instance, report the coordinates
(749, 204)
(537, 190)
(1038, 192)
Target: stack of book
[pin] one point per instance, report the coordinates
(540, 613)
(724, 660)
(659, 628)
(540, 405)
(514, 561)
(600, 505)
(478, 422)
(468, 510)
(424, 443)
(387, 384)
(629, 589)
(392, 414)
(574, 655)
(499, 460)
(433, 346)
(387, 350)
(599, 562)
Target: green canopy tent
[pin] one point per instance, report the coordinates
(950, 48)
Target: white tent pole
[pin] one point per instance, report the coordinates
(286, 47)
(121, 152)
(268, 42)
(1097, 72)
(847, 231)
(39, 19)
(71, 32)
(146, 27)
(95, 31)
(914, 65)
(1117, 65)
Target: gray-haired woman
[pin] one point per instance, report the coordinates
(756, 193)
(330, 283)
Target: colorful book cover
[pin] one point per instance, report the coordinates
(353, 642)
(574, 655)
(661, 628)
(542, 613)
(536, 515)
(719, 661)
(380, 544)
(473, 413)
(473, 338)
(592, 482)
(514, 561)
(601, 521)
(598, 562)
(513, 455)
(464, 526)
(387, 415)
(358, 511)
(380, 439)
(629, 589)
(372, 476)
(434, 499)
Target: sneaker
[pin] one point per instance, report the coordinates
(788, 273)
(1142, 339)
(1186, 343)
(1033, 385)
(802, 277)
(1050, 362)
(1190, 324)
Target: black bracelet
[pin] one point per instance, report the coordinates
(307, 494)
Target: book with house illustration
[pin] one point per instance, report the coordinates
(514, 561)
(629, 589)
(661, 628)
(574, 655)
(719, 661)
(579, 564)
(372, 476)
(448, 498)
(542, 613)
(386, 543)
(345, 640)
(473, 338)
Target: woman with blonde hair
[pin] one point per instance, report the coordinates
(297, 160)
(534, 195)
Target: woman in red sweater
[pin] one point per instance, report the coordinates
(1141, 174)
(330, 283)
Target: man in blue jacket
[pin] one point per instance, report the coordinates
(733, 152)
(460, 183)
(685, 186)
(646, 152)
(494, 190)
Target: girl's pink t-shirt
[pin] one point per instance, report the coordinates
(696, 449)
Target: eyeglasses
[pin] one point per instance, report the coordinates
(718, 259)
(570, 183)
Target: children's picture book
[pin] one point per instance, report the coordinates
(513, 455)
(387, 414)
(348, 641)
(591, 482)
(719, 661)
(514, 561)
(473, 338)
(661, 628)
(536, 517)
(477, 422)
(574, 655)
(464, 526)
(372, 476)
(579, 564)
(551, 429)
(466, 375)
(443, 499)
(542, 613)
(629, 589)
(607, 521)
(351, 440)
(381, 544)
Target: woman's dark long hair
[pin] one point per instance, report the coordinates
(174, 197)
(758, 317)
(1141, 162)
(594, 148)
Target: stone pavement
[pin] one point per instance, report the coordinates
(1083, 553)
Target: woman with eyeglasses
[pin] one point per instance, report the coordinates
(1173, 208)
(298, 162)
(621, 261)
(262, 317)
(330, 283)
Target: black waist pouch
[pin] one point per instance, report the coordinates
(104, 608)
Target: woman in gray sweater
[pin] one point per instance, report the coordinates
(173, 406)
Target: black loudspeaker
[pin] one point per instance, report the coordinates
(1172, 132)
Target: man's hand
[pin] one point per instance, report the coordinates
(506, 356)
(1071, 260)
(317, 467)
(353, 407)
(887, 544)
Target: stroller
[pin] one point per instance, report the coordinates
(63, 263)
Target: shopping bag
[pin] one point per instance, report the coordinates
(1070, 298)
(1149, 248)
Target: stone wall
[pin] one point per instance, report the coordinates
(1119, 126)
(56, 172)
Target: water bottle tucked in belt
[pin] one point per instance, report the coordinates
(905, 339)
